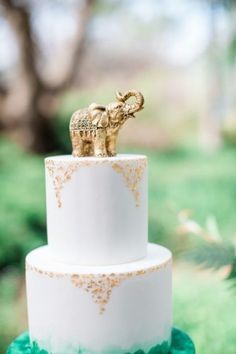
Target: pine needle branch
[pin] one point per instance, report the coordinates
(214, 256)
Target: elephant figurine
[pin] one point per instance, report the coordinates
(94, 130)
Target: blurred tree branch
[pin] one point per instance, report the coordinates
(212, 122)
(33, 124)
(18, 17)
(84, 14)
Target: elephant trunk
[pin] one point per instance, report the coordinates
(131, 108)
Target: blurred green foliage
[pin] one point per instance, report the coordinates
(205, 307)
(11, 306)
(190, 179)
(183, 178)
(22, 207)
(22, 228)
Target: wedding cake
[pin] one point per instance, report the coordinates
(99, 287)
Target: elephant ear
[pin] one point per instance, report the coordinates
(103, 121)
(95, 106)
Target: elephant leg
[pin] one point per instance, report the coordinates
(77, 144)
(111, 145)
(100, 143)
(88, 149)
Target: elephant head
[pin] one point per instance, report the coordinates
(130, 108)
(120, 111)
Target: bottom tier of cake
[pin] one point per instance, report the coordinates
(100, 310)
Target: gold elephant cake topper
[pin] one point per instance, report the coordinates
(94, 130)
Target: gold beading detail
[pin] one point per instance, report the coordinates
(61, 172)
(132, 174)
(99, 286)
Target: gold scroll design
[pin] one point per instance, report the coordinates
(132, 173)
(61, 172)
(99, 286)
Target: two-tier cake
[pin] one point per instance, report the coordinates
(99, 287)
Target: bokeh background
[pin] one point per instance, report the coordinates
(59, 55)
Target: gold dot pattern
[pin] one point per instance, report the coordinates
(61, 172)
(132, 175)
(99, 286)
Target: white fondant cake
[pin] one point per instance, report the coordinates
(106, 309)
(98, 287)
(97, 209)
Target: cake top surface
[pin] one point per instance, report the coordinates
(41, 258)
(123, 157)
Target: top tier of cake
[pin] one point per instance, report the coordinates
(97, 209)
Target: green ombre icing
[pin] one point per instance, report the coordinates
(181, 344)
(158, 349)
(18, 347)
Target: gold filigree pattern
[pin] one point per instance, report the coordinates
(61, 172)
(132, 174)
(99, 286)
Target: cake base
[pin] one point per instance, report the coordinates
(181, 343)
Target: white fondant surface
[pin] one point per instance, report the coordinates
(137, 315)
(96, 212)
